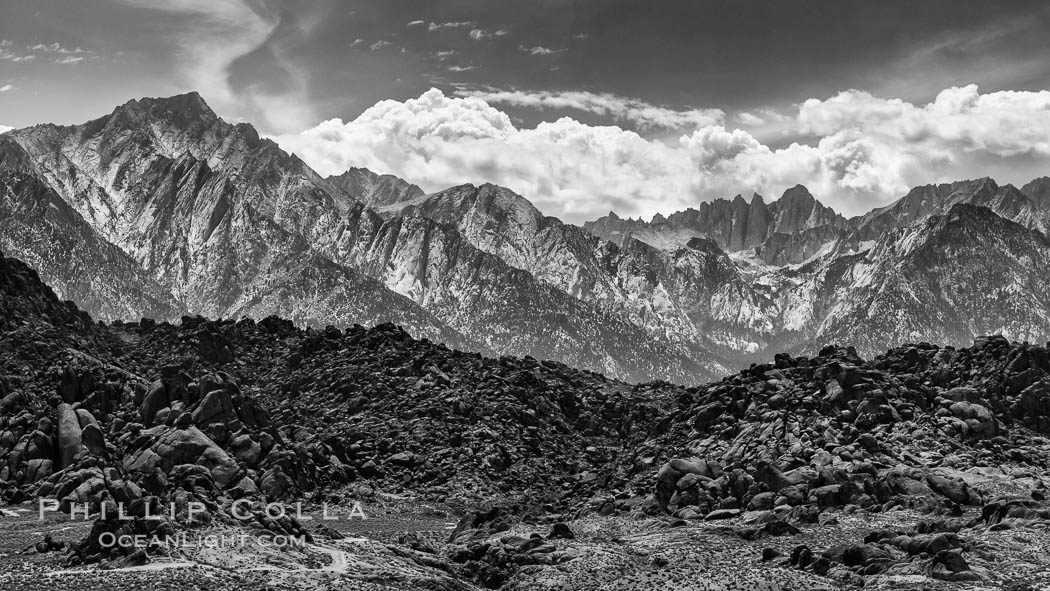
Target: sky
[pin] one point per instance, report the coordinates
(582, 106)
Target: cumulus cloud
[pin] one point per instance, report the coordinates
(7, 87)
(636, 112)
(869, 151)
(845, 170)
(567, 168)
(872, 150)
(5, 128)
(416, 24)
(1005, 123)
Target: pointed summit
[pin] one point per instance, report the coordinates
(795, 196)
(1038, 190)
(181, 110)
(191, 102)
(376, 190)
(797, 209)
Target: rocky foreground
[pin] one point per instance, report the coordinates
(923, 468)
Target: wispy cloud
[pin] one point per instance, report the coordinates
(480, 34)
(215, 34)
(416, 24)
(539, 50)
(379, 45)
(8, 55)
(58, 49)
(52, 52)
(462, 68)
(986, 52)
(210, 36)
(640, 113)
(749, 119)
(449, 25)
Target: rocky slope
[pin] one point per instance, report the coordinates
(954, 275)
(154, 414)
(958, 435)
(337, 405)
(379, 191)
(169, 211)
(230, 225)
(922, 202)
(934, 265)
(81, 265)
(734, 225)
(205, 210)
(798, 219)
(1039, 192)
(692, 295)
(920, 468)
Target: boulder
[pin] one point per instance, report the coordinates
(85, 418)
(156, 399)
(955, 490)
(980, 421)
(11, 402)
(671, 472)
(40, 445)
(70, 436)
(772, 477)
(185, 446)
(69, 386)
(93, 439)
(37, 470)
(250, 412)
(275, 484)
(215, 407)
(247, 449)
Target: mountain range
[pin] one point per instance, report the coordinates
(162, 209)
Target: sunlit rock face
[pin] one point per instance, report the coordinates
(162, 209)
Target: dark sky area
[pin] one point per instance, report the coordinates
(735, 56)
(660, 68)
